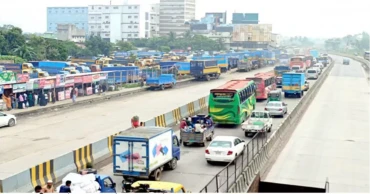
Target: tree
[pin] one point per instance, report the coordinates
(172, 36)
(25, 52)
(125, 46)
(165, 49)
(98, 46)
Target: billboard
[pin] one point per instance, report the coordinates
(252, 32)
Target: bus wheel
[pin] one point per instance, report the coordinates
(162, 87)
(208, 77)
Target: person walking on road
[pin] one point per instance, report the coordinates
(74, 94)
(66, 188)
(49, 188)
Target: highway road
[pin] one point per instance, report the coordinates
(193, 171)
(37, 139)
(332, 139)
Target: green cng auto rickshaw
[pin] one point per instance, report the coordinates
(274, 95)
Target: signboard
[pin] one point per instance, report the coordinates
(77, 79)
(22, 78)
(19, 88)
(87, 79)
(7, 86)
(60, 80)
(89, 90)
(223, 94)
(29, 85)
(41, 83)
(8, 78)
(61, 95)
(49, 84)
(95, 77)
(36, 84)
(69, 81)
(68, 93)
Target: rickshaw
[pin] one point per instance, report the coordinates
(274, 95)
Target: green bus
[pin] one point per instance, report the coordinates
(233, 102)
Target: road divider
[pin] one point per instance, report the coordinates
(267, 154)
(56, 169)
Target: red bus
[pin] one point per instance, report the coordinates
(265, 83)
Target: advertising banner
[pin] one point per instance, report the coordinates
(78, 79)
(22, 78)
(89, 90)
(8, 78)
(19, 88)
(87, 79)
(69, 81)
(95, 77)
(61, 95)
(60, 80)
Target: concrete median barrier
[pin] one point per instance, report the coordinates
(56, 169)
(271, 149)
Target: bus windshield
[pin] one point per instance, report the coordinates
(223, 94)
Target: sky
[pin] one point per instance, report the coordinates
(311, 18)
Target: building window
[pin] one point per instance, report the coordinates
(106, 7)
(131, 22)
(136, 16)
(106, 34)
(129, 27)
(106, 17)
(129, 7)
(115, 7)
(99, 8)
(129, 16)
(106, 26)
(135, 7)
(99, 26)
(135, 26)
(146, 16)
(135, 35)
(92, 17)
(129, 35)
(92, 27)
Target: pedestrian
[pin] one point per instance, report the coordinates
(142, 82)
(38, 189)
(73, 94)
(66, 188)
(8, 102)
(49, 188)
(53, 97)
(104, 88)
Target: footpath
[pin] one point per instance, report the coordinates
(82, 100)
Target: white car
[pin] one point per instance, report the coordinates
(319, 65)
(312, 73)
(7, 120)
(224, 149)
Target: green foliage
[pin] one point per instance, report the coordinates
(165, 49)
(13, 58)
(125, 46)
(97, 46)
(355, 43)
(172, 41)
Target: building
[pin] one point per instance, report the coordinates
(77, 16)
(220, 17)
(70, 32)
(116, 22)
(225, 37)
(152, 21)
(252, 36)
(175, 16)
(247, 18)
(275, 40)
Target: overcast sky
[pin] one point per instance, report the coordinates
(313, 18)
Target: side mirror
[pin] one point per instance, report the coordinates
(113, 185)
(242, 140)
(5, 115)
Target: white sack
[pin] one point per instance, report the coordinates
(75, 178)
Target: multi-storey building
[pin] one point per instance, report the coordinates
(152, 21)
(115, 22)
(77, 16)
(175, 16)
(248, 18)
(70, 32)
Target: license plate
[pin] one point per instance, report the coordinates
(218, 153)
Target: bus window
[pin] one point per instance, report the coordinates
(223, 94)
(296, 59)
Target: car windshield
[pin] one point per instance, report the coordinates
(311, 71)
(258, 115)
(273, 104)
(221, 144)
(295, 68)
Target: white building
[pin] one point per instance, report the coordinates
(175, 16)
(116, 22)
(275, 40)
(70, 32)
(152, 21)
(225, 37)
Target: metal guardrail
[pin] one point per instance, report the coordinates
(223, 180)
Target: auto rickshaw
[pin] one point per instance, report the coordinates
(274, 95)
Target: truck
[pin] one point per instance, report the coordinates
(258, 122)
(205, 69)
(122, 74)
(161, 82)
(52, 67)
(314, 53)
(192, 137)
(324, 60)
(279, 70)
(284, 59)
(18, 68)
(144, 152)
(183, 68)
(245, 65)
(293, 84)
(233, 62)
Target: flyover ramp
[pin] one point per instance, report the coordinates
(332, 139)
(37, 139)
(192, 170)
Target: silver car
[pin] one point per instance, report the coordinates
(277, 108)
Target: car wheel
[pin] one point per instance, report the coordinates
(173, 164)
(11, 123)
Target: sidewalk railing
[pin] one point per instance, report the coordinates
(228, 175)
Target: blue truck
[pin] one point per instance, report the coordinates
(293, 84)
(205, 69)
(122, 74)
(279, 70)
(233, 62)
(161, 82)
(183, 68)
(52, 67)
(144, 152)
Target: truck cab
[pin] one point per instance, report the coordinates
(95, 68)
(74, 71)
(106, 184)
(27, 66)
(293, 84)
(259, 121)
